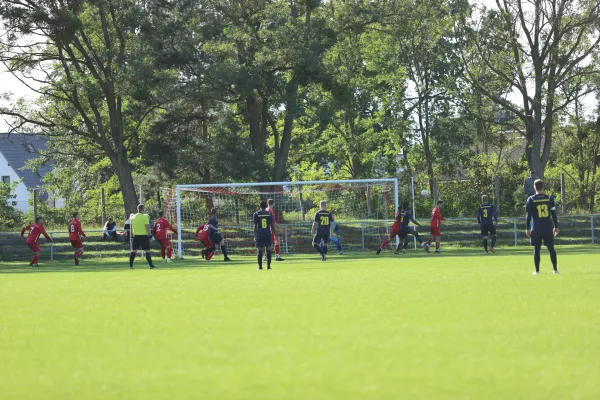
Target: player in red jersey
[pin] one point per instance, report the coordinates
(202, 234)
(27, 228)
(75, 237)
(161, 228)
(274, 238)
(395, 232)
(35, 230)
(436, 225)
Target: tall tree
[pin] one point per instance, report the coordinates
(431, 63)
(97, 87)
(541, 50)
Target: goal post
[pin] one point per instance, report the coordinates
(363, 208)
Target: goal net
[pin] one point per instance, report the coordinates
(363, 210)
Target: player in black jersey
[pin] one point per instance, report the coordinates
(263, 226)
(542, 224)
(486, 216)
(322, 230)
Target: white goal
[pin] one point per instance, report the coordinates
(363, 210)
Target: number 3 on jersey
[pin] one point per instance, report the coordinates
(324, 220)
(542, 210)
(485, 213)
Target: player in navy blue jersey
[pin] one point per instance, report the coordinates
(542, 224)
(322, 229)
(263, 232)
(214, 235)
(486, 216)
(406, 229)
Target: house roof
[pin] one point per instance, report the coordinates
(18, 149)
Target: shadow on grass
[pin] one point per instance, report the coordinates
(99, 265)
(122, 264)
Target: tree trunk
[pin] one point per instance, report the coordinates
(254, 116)
(282, 153)
(124, 173)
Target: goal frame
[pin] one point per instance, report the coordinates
(179, 188)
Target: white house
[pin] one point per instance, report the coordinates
(15, 151)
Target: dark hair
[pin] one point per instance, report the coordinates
(75, 214)
(440, 202)
(263, 205)
(161, 214)
(270, 202)
(539, 185)
(484, 198)
(140, 207)
(38, 219)
(213, 210)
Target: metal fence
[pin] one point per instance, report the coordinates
(296, 238)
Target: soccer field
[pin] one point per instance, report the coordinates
(457, 325)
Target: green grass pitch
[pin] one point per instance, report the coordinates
(458, 325)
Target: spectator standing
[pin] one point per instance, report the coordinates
(528, 184)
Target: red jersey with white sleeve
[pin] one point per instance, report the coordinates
(75, 230)
(202, 235)
(34, 233)
(396, 225)
(272, 212)
(436, 217)
(26, 229)
(161, 227)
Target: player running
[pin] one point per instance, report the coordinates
(202, 234)
(161, 228)
(395, 232)
(542, 225)
(76, 236)
(35, 230)
(436, 225)
(322, 229)
(274, 238)
(214, 234)
(263, 233)
(486, 216)
(406, 229)
(335, 238)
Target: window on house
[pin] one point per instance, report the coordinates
(6, 179)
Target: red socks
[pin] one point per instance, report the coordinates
(169, 252)
(430, 240)
(162, 252)
(385, 243)
(277, 249)
(34, 260)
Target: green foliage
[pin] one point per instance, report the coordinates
(159, 93)
(10, 217)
